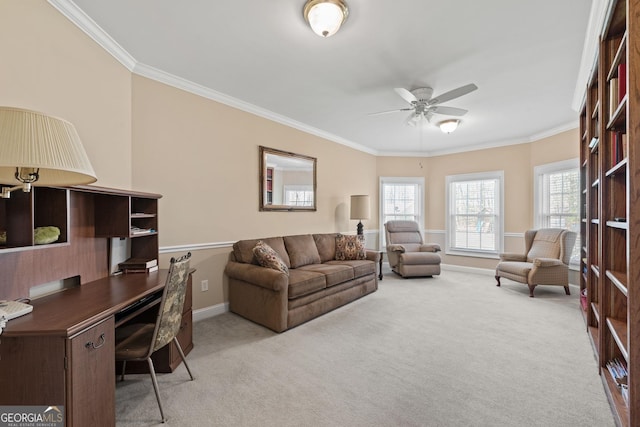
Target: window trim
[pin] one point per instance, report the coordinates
(478, 176)
(538, 192)
(414, 180)
(538, 175)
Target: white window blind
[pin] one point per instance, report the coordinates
(400, 199)
(474, 214)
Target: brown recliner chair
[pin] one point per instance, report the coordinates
(408, 255)
(545, 261)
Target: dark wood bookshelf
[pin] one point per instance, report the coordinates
(611, 232)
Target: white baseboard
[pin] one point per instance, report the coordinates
(484, 271)
(212, 311)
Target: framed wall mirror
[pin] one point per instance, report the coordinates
(287, 181)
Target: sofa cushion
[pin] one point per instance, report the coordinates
(267, 257)
(350, 247)
(243, 250)
(334, 274)
(326, 244)
(302, 250)
(302, 282)
(360, 267)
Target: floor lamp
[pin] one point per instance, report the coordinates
(360, 210)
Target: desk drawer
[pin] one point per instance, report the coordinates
(90, 395)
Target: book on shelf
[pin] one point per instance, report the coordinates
(137, 230)
(140, 270)
(138, 263)
(618, 370)
(622, 81)
(614, 91)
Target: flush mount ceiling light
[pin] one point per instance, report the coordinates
(448, 126)
(325, 16)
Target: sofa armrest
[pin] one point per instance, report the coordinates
(510, 256)
(430, 247)
(395, 248)
(256, 275)
(373, 255)
(547, 262)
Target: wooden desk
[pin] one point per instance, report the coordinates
(62, 353)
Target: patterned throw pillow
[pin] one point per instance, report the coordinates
(269, 258)
(350, 247)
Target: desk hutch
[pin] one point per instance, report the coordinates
(62, 353)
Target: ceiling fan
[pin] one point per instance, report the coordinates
(423, 106)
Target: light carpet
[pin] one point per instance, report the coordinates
(453, 350)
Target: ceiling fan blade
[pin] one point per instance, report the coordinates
(406, 95)
(390, 111)
(449, 111)
(452, 94)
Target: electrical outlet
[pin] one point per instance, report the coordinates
(204, 285)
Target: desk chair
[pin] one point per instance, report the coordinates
(139, 341)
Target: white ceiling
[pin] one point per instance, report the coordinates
(524, 56)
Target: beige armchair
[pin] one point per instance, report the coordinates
(408, 255)
(545, 261)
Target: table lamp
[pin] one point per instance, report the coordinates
(360, 210)
(37, 149)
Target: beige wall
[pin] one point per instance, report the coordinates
(49, 65)
(517, 162)
(202, 156)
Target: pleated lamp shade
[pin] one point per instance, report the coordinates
(29, 139)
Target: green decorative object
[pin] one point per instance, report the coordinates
(44, 235)
(3, 237)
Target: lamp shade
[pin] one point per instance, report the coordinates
(449, 126)
(325, 16)
(48, 145)
(360, 207)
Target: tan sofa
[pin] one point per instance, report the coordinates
(316, 281)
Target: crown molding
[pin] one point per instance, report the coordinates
(597, 16)
(465, 149)
(81, 20)
(197, 89)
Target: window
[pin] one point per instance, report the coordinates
(298, 195)
(475, 214)
(557, 199)
(400, 199)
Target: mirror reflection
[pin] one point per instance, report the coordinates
(287, 181)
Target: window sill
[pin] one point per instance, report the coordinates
(473, 254)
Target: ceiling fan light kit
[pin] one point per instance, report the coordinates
(325, 16)
(448, 126)
(423, 106)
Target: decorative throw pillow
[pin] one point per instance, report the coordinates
(350, 247)
(269, 258)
